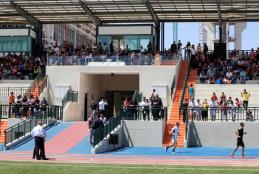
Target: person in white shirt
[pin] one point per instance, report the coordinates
(175, 134)
(145, 106)
(102, 106)
(198, 109)
(39, 135)
(213, 109)
(192, 108)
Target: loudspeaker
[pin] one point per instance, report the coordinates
(220, 50)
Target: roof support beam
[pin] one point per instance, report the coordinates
(90, 13)
(152, 12)
(31, 19)
(220, 22)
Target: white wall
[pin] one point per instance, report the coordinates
(84, 79)
(221, 134)
(122, 30)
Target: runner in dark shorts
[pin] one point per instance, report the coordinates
(240, 132)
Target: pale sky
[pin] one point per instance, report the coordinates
(190, 32)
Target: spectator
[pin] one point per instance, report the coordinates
(185, 109)
(214, 97)
(174, 49)
(193, 111)
(180, 49)
(191, 92)
(213, 109)
(223, 98)
(145, 106)
(94, 107)
(188, 50)
(246, 97)
(102, 106)
(198, 106)
(11, 98)
(150, 47)
(156, 105)
(224, 110)
(126, 103)
(44, 104)
(111, 47)
(205, 107)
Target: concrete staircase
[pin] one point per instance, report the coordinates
(174, 112)
(204, 91)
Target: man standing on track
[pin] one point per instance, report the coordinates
(175, 134)
(39, 135)
(240, 132)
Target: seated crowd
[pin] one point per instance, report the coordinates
(25, 106)
(222, 108)
(66, 54)
(237, 68)
(20, 67)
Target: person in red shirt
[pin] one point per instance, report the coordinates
(222, 98)
(214, 97)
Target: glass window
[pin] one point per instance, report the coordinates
(15, 44)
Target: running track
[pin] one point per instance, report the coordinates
(135, 159)
(62, 146)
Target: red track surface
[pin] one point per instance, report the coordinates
(67, 139)
(132, 159)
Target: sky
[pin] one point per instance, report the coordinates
(190, 32)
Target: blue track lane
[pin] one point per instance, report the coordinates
(51, 132)
(82, 148)
(199, 151)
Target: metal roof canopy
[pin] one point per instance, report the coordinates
(126, 11)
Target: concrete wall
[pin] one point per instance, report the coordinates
(93, 80)
(142, 133)
(221, 134)
(135, 134)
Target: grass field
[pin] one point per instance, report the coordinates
(47, 168)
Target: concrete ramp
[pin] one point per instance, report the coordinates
(64, 137)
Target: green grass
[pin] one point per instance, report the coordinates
(56, 168)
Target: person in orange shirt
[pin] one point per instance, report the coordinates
(11, 98)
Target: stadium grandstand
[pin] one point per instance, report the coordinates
(93, 85)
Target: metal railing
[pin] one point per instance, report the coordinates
(137, 59)
(6, 91)
(19, 111)
(24, 128)
(144, 113)
(173, 86)
(223, 114)
(184, 89)
(70, 96)
(135, 113)
(103, 131)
